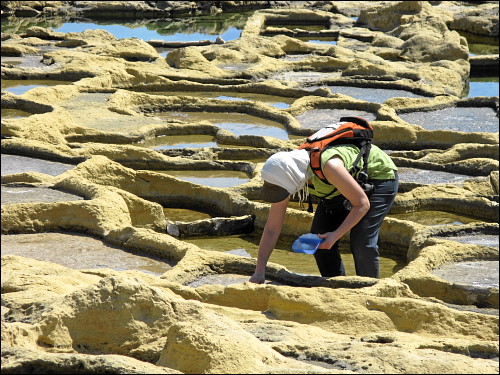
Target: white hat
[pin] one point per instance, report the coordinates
(284, 173)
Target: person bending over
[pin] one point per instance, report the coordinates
(344, 206)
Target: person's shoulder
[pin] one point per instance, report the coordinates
(335, 161)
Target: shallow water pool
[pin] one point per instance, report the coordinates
(20, 164)
(236, 123)
(78, 251)
(19, 87)
(295, 262)
(462, 119)
(218, 179)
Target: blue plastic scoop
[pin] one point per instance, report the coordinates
(307, 243)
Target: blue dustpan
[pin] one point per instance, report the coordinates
(307, 243)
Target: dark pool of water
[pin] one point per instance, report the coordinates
(184, 214)
(480, 45)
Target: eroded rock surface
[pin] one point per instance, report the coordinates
(89, 140)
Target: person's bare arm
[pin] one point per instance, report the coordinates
(269, 238)
(336, 173)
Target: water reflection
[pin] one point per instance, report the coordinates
(481, 86)
(480, 45)
(318, 39)
(19, 87)
(163, 52)
(228, 26)
(10, 113)
(146, 33)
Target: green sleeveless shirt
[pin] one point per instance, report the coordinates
(380, 166)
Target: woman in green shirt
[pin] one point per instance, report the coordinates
(344, 206)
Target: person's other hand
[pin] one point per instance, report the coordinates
(258, 278)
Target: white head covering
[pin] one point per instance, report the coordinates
(287, 169)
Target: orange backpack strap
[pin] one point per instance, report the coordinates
(315, 163)
(351, 130)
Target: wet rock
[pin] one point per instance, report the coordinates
(202, 315)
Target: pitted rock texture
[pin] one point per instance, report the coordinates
(96, 127)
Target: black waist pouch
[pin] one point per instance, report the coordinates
(335, 204)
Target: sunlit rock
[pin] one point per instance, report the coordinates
(201, 315)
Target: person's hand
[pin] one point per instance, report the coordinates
(329, 239)
(258, 278)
